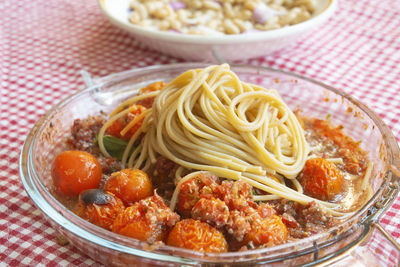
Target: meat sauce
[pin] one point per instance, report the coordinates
(215, 214)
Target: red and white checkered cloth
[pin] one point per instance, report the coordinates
(45, 43)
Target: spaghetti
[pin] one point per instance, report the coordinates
(209, 120)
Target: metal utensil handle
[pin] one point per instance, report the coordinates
(388, 236)
(383, 205)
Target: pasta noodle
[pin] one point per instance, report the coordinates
(208, 120)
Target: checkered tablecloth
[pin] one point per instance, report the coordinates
(45, 43)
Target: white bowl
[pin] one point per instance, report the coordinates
(211, 48)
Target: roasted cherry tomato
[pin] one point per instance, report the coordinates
(118, 125)
(75, 171)
(131, 223)
(321, 179)
(268, 231)
(129, 185)
(146, 220)
(196, 235)
(99, 207)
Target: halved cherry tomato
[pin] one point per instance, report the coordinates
(75, 171)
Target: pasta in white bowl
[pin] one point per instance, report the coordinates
(211, 47)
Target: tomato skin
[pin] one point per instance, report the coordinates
(147, 220)
(268, 231)
(132, 223)
(101, 213)
(196, 235)
(74, 171)
(129, 185)
(321, 179)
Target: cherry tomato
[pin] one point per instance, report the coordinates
(146, 220)
(129, 185)
(196, 235)
(268, 231)
(321, 179)
(131, 223)
(99, 207)
(118, 125)
(75, 171)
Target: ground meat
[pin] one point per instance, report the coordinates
(156, 212)
(290, 221)
(109, 165)
(163, 171)
(285, 206)
(354, 157)
(227, 205)
(238, 225)
(213, 211)
(265, 210)
(354, 161)
(243, 218)
(163, 176)
(83, 138)
(83, 134)
(201, 186)
(313, 219)
(302, 220)
(234, 194)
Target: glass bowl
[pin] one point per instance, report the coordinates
(47, 138)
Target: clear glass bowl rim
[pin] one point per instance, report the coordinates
(103, 238)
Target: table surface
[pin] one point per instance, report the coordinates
(45, 43)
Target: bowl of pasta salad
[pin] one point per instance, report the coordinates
(190, 164)
(206, 30)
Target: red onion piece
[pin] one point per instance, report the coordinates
(262, 13)
(177, 5)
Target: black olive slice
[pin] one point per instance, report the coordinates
(95, 196)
